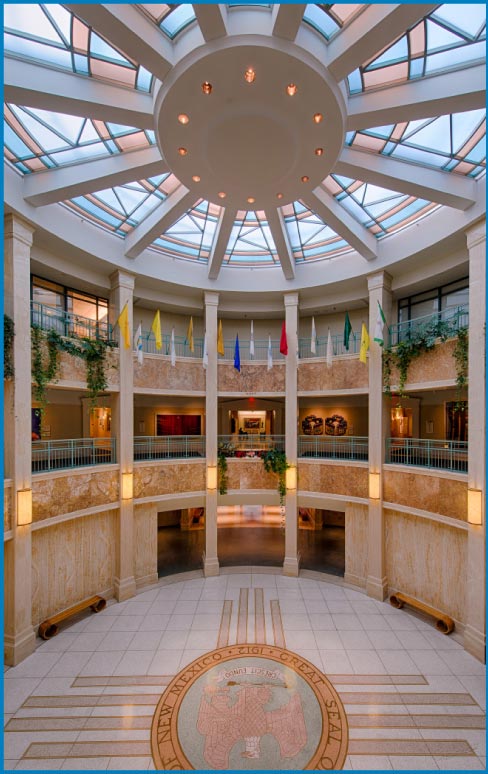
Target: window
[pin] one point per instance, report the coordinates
(451, 296)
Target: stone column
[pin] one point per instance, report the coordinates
(379, 287)
(122, 291)
(19, 633)
(290, 564)
(474, 633)
(210, 560)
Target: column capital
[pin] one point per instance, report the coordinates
(211, 298)
(379, 280)
(16, 227)
(291, 299)
(476, 234)
(122, 279)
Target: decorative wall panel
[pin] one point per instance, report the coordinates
(55, 493)
(356, 548)
(158, 373)
(426, 492)
(146, 541)
(249, 474)
(347, 480)
(349, 374)
(168, 478)
(73, 369)
(434, 366)
(251, 379)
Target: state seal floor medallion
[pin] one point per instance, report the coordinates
(254, 707)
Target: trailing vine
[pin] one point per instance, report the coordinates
(222, 468)
(8, 347)
(43, 369)
(460, 354)
(275, 462)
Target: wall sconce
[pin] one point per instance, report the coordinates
(374, 486)
(24, 507)
(475, 506)
(127, 486)
(291, 478)
(212, 477)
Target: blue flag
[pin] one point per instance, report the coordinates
(237, 357)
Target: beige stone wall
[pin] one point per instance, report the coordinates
(72, 561)
(63, 421)
(54, 494)
(252, 378)
(427, 560)
(249, 474)
(145, 541)
(73, 369)
(153, 479)
(7, 505)
(347, 480)
(432, 493)
(434, 366)
(157, 372)
(348, 373)
(356, 540)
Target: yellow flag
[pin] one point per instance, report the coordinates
(156, 329)
(364, 344)
(189, 335)
(220, 340)
(123, 323)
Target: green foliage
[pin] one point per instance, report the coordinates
(460, 354)
(222, 469)
(44, 369)
(8, 347)
(275, 462)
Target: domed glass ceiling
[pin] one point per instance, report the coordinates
(77, 95)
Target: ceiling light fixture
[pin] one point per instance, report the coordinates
(182, 151)
(222, 194)
(251, 199)
(183, 118)
(279, 196)
(291, 89)
(250, 75)
(207, 87)
(305, 179)
(319, 151)
(196, 178)
(318, 118)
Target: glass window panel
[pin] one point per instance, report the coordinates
(48, 293)
(470, 18)
(456, 298)
(30, 20)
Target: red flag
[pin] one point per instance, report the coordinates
(283, 342)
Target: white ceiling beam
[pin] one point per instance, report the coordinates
(287, 20)
(453, 92)
(129, 30)
(277, 227)
(339, 219)
(220, 241)
(56, 185)
(211, 20)
(158, 221)
(75, 95)
(370, 32)
(431, 184)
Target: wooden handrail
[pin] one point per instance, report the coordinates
(444, 623)
(49, 627)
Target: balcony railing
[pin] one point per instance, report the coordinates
(163, 447)
(182, 347)
(252, 445)
(338, 347)
(444, 455)
(69, 324)
(72, 453)
(351, 447)
(445, 323)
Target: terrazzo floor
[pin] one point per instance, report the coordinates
(414, 698)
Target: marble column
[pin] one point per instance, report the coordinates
(379, 288)
(19, 633)
(210, 560)
(291, 562)
(122, 292)
(475, 630)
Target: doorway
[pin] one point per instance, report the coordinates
(250, 535)
(321, 540)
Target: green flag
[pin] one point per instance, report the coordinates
(347, 331)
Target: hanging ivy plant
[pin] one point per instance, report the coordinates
(222, 469)
(460, 354)
(8, 347)
(44, 366)
(275, 462)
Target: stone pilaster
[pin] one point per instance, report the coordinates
(211, 562)
(291, 562)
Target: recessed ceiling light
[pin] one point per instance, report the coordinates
(279, 196)
(250, 75)
(182, 151)
(305, 179)
(183, 118)
(196, 178)
(207, 87)
(319, 151)
(291, 89)
(222, 194)
(251, 199)
(318, 118)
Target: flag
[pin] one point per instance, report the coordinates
(173, 351)
(270, 354)
(329, 350)
(220, 340)
(380, 324)
(347, 331)
(313, 338)
(189, 336)
(364, 344)
(237, 356)
(251, 341)
(283, 341)
(156, 329)
(205, 351)
(123, 323)
(138, 344)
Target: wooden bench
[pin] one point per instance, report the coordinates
(49, 627)
(444, 623)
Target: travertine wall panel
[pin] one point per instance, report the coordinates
(145, 540)
(55, 494)
(345, 374)
(7, 505)
(73, 369)
(427, 560)
(426, 492)
(434, 366)
(158, 373)
(254, 378)
(249, 474)
(168, 478)
(72, 561)
(356, 548)
(347, 480)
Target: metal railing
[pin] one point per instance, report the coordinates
(444, 455)
(251, 445)
(445, 323)
(162, 447)
(72, 453)
(182, 347)
(351, 447)
(69, 324)
(338, 347)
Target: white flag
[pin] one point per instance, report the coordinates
(173, 351)
(313, 338)
(205, 352)
(138, 344)
(380, 324)
(251, 342)
(270, 354)
(329, 350)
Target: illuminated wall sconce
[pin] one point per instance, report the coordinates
(291, 478)
(24, 507)
(374, 486)
(212, 477)
(475, 506)
(127, 486)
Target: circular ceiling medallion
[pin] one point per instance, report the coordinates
(253, 707)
